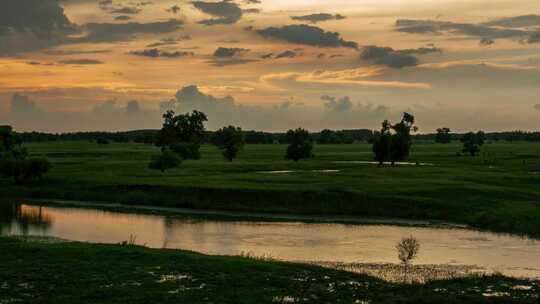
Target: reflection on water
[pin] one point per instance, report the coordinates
(510, 255)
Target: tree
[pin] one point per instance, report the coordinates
(381, 145)
(394, 141)
(407, 251)
(167, 159)
(299, 145)
(443, 136)
(183, 134)
(472, 142)
(15, 162)
(230, 140)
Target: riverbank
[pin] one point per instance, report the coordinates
(48, 272)
(495, 191)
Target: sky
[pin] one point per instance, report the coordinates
(109, 65)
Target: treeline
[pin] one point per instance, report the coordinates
(259, 137)
(491, 136)
(150, 137)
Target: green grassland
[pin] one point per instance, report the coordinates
(35, 272)
(497, 190)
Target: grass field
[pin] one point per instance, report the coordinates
(33, 272)
(497, 190)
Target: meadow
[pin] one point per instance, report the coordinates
(51, 272)
(497, 190)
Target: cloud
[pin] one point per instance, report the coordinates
(169, 41)
(308, 35)
(81, 61)
(360, 77)
(344, 112)
(155, 53)
(114, 32)
(42, 17)
(122, 18)
(286, 54)
(320, 17)
(22, 105)
(175, 9)
(225, 12)
(487, 41)
(228, 52)
(535, 37)
(126, 10)
(516, 22)
(394, 58)
(468, 29)
(537, 106)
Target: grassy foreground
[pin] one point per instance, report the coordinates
(33, 272)
(497, 190)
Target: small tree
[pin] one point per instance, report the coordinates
(407, 251)
(472, 142)
(167, 159)
(230, 140)
(443, 136)
(183, 134)
(299, 145)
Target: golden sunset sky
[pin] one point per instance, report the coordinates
(271, 64)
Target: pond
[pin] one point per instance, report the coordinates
(291, 241)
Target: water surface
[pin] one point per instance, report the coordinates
(511, 255)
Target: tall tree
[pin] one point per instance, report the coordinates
(230, 140)
(183, 133)
(382, 143)
(394, 141)
(300, 147)
(443, 136)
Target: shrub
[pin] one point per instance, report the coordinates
(167, 159)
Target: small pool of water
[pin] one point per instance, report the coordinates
(292, 241)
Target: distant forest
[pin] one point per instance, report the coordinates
(257, 137)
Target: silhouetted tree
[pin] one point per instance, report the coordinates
(407, 251)
(401, 139)
(15, 162)
(382, 143)
(230, 140)
(183, 134)
(394, 141)
(443, 136)
(327, 137)
(299, 145)
(472, 142)
(167, 159)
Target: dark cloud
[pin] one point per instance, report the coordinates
(81, 61)
(286, 54)
(133, 107)
(487, 41)
(225, 12)
(113, 32)
(229, 52)
(534, 37)
(251, 11)
(468, 29)
(42, 17)
(126, 10)
(169, 41)
(314, 18)
(394, 58)
(155, 53)
(308, 35)
(175, 9)
(516, 22)
(537, 106)
(223, 62)
(122, 18)
(252, 1)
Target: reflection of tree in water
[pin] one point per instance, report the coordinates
(23, 216)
